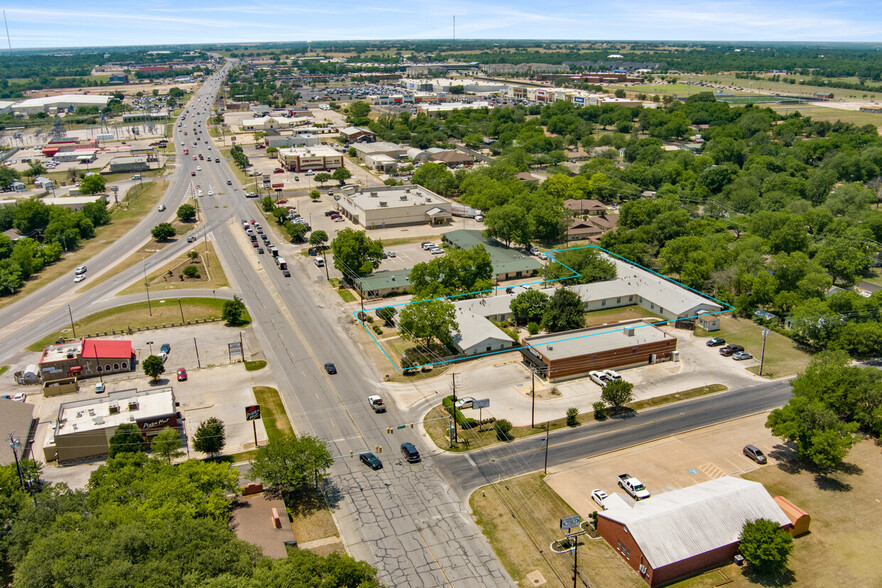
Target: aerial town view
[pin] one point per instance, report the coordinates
(326, 295)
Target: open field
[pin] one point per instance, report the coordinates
(138, 315)
(211, 278)
(521, 518)
(782, 87)
(660, 89)
(833, 114)
(784, 357)
(126, 215)
(841, 548)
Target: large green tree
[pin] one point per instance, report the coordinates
(428, 320)
(186, 212)
(529, 306)
(153, 367)
(167, 444)
(356, 254)
(291, 462)
(234, 311)
(460, 271)
(618, 393)
(126, 439)
(564, 312)
(93, 184)
(580, 266)
(163, 232)
(765, 545)
(210, 436)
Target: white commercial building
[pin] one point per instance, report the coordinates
(74, 202)
(273, 123)
(393, 150)
(451, 106)
(317, 158)
(391, 206)
(59, 103)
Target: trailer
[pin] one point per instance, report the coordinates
(464, 211)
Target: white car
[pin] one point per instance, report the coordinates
(160, 208)
(79, 278)
(210, 193)
(20, 397)
(598, 378)
(436, 251)
(466, 402)
(80, 270)
(198, 168)
(612, 375)
(599, 496)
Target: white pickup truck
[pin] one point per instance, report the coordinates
(376, 403)
(633, 487)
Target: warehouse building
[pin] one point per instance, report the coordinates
(572, 354)
(83, 428)
(317, 158)
(77, 155)
(60, 103)
(393, 150)
(678, 533)
(74, 203)
(84, 358)
(392, 206)
(299, 140)
(128, 164)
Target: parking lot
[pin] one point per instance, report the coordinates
(667, 464)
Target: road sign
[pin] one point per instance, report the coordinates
(483, 403)
(401, 427)
(570, 522)
(252, 413)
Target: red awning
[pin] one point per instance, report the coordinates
(75, 369)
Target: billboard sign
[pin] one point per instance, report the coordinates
(483, 403)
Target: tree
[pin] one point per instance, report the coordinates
(93, 184)
(564, 312)
(153, 367)
(618, 393)
(356, 254)
(233, 311)
(322, 177)
(460, 271)
(529, 306)
(187, 212)
(765, 545)
(341, 174)
(34, 169)
(428, 320)
(97, 212)
(510, 224)
(191, 271)
(7, 177)
(291, 462)
(318, 238)
(296, 231)
(167, 444)
(588, 264)
(503, 427)
(599, 410)
(387, 313)
(126, 439)
(358, 113)
(210, 436)
(315, 195)
(435, 177)
(572, 417)
(163, 232)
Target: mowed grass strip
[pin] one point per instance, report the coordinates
(272, 412)
(124, 216)
(212, 277)
(163, 311)
(521, 518)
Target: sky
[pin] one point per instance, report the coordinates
(82, 23)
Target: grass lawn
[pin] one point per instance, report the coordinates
(660, 89)
(781, 87)
(845, 523)
(833, 114)
(124, 216)
(165, 311)
(210, 278)
(3, 369)
(272, 412)
(253, 366)
(344, 292)
(521, 518)
(241, 175)
(784, 357)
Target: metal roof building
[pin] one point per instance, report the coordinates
(677, 533)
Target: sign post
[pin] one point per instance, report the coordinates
(480, 405)
(252, 413)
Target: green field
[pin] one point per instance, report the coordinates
(784, 88)
(833, 114)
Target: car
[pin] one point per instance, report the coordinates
(612, 375)
(20, 397)
(599, 378)
(192, 173)
(210, 192)
(436, 251)
(330, 368)
(753, 452)
(599, 496)
(286, 273)
(229, 182)
(100, 387)
(427, 245)
(80, 270)
(730, 350)
(466, 402)
(278, 170)
(390, 253)
(165, 348)
(255, 244)
(370, 460)
(410, 453)
(742, 355)
(79, 279)
(338, 219)
(191, 239)
(534, 251)
(182, 375)
(715, 342)
(319, 262)
(161, 208)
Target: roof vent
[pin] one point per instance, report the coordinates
(133, 405)
(383, 203)
(549, 347)
(373, 194)
(113, 409)
(629, 332)
(404, 197)
(98, 420)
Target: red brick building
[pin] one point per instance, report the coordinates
(679, 533)
(85, 358)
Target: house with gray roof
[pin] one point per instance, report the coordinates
(476, 335)
(679, 533)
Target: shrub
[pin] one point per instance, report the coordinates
(532, 327)
(461, 419)
(503, 427)
(599, 410)
(191, 271)
(377, 330)
(572, 417)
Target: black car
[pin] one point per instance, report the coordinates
(370, 460)
(330, 368)
(754, 453)
(729, 350)
(286, 273)
(410, 452)
(715, 342)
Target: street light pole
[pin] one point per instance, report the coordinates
(147, 288)
(73, 330)
(763, 355)
(455, 432)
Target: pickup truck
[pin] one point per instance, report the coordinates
(376, 403)
(633, 487)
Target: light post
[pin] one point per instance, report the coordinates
(147, 288)
(150, 343)
(763, 354)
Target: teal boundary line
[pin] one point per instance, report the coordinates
(727, 308)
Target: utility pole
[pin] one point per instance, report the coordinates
(533, 393)
(181, 308)
(198, 365)
(13, 443)
(763, 355)
(147, 288)
(72, 328)
(546, 449)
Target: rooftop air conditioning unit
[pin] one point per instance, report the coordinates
(133, 405)
(113, 409)
(629, 332)
(403, 197)
(383, 203)
(374, 194)
(98, 420)
(549, 347)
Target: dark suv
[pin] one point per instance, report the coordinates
(410, 452)
(730, 350)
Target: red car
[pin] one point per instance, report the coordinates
(182, 375)
(278, 170)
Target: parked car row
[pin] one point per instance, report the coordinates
(604, 377)
(431, 248)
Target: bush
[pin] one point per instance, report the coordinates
(599, 410)
(377, 329)
(461, 419)
(572, 417)
(533, 328)
(191, 271)
(503, 427)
